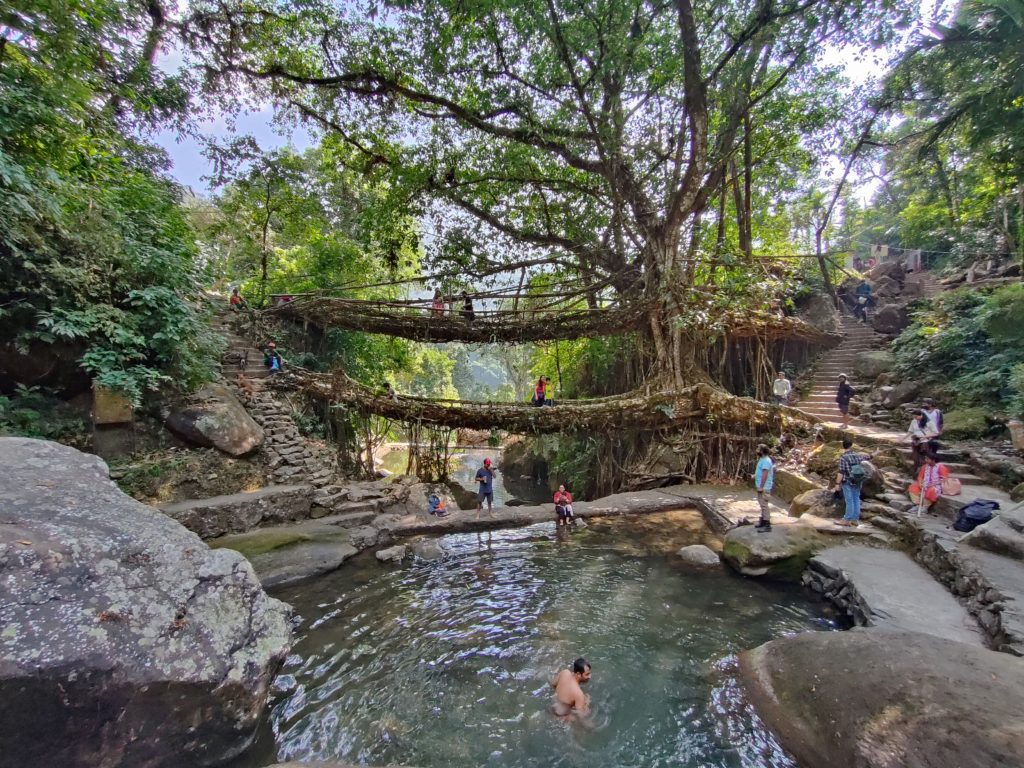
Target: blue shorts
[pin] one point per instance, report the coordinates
(482, 495)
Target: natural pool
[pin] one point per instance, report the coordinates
(446, 663)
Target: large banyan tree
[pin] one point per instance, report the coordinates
(597, 135)
(602, 137)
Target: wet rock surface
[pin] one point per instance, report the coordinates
(888, 699)
(699, 555)
(124, 640)
(781, 553)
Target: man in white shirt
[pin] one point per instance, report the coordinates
(781, 388)
(934, 417)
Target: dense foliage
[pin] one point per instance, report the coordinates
(95, 249)
(970, 346)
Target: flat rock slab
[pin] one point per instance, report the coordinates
(900, 594)
(240, 512)
(288, 554)
(888, 699)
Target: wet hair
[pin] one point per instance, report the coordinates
(847, 442)
(762, 449)
(580, 666)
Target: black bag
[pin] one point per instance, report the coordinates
(974, 514)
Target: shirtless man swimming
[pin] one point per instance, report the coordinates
(569, 697)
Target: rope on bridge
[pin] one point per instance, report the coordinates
(635, 411)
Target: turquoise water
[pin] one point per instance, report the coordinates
(446, 663)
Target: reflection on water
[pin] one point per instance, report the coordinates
(446, 663)
(465, 463)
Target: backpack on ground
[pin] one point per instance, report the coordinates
(974, 514)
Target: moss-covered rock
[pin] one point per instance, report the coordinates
(964, 423)
(868, 365)
(790, 484)
(258, 542)
(781, 553)
(824, 460)
(819, 502)
(1017, 494)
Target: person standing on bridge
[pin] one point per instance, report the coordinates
(468, 314)
(538, 393)
(485, 476)
(549, 391)
(437, 305)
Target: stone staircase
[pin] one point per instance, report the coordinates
(922, 284)
(820, 401)
(291, 459)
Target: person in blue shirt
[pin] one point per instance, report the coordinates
(485, 476)
(764, 479)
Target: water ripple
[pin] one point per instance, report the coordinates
(446, 663)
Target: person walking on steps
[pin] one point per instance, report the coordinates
(485, 477)
(272, 358)
(781, 389)
(764, 480)
(850, 479)
(843, 396)
(863, 301)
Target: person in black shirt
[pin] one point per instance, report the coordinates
(467, 308)
(843, 397)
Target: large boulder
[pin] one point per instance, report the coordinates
(888, 699)
(824, 460)
(213, 418)
(781, 553)
(790, 484)
(867, 365)
(890, 270)
(902, 392)
(890, 319)
(819, 502)
(818, 310)
(886, 287)
(412, 499)
(126, 641)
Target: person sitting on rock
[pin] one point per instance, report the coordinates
(272, 358)
(236, 302)
(436, 506)
(927, 489)
(563, 506)
(922, 437)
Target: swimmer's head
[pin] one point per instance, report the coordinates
(581, 669)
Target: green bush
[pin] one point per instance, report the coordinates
(970, 345)
(965, 423)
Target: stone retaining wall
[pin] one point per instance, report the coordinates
(963, 578)
(834, 587)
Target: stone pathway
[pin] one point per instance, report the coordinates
(821, 400)
(889, 590)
